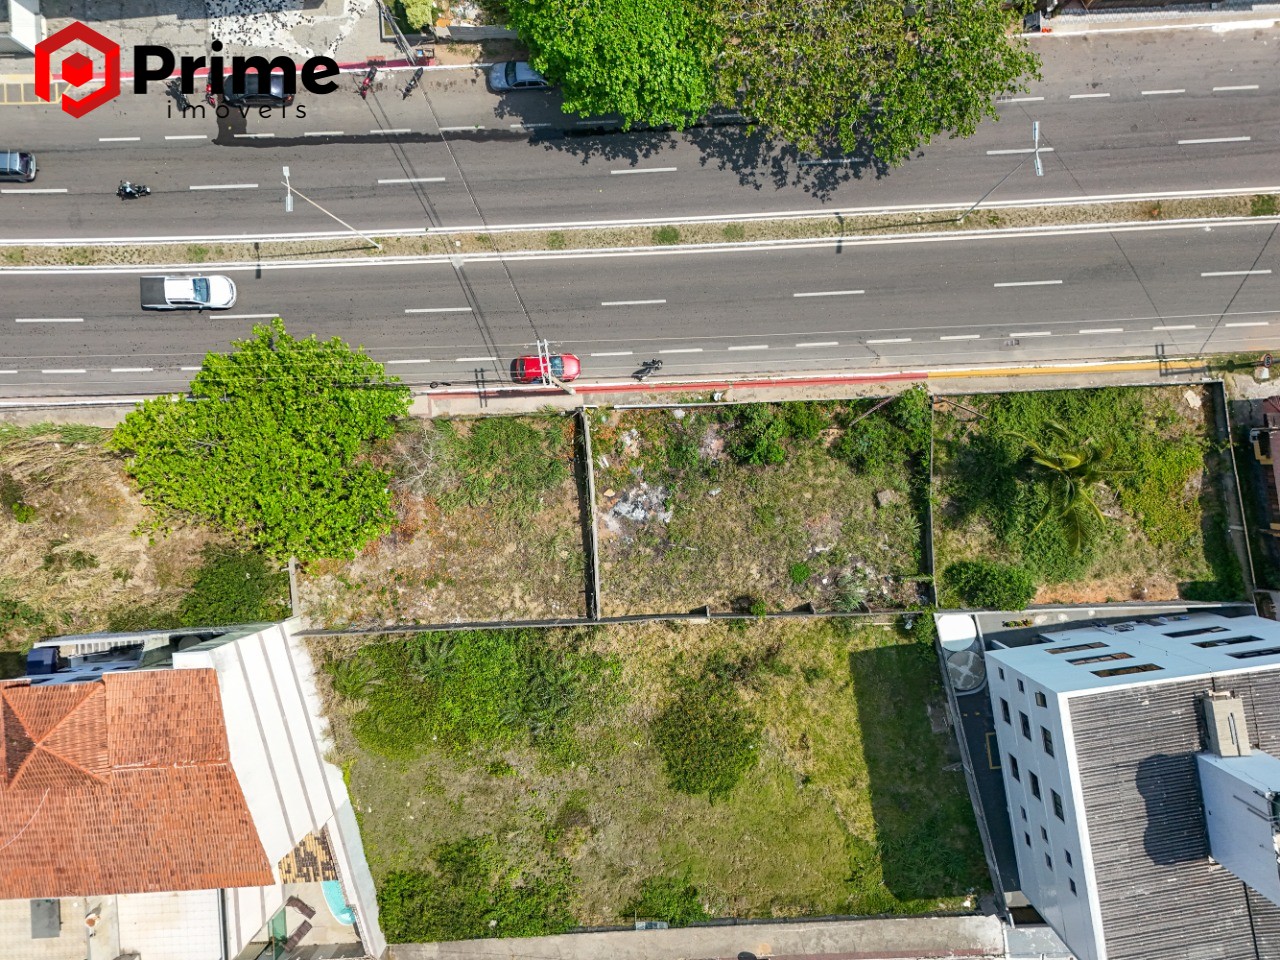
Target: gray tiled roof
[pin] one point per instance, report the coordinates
(1160, 896)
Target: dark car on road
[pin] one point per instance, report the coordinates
(256, 91)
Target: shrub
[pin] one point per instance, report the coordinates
(706, 739)
(15, 614)
(893, 437)
(666, 236)
(673, 899)
(555, 240)
(757, 435)
(473, 893)
(235, 587)
(24, 512)
(734, 232)
(420, 15)
(477, 687)
(983, 583)
(800, 574)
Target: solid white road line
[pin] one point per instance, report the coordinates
(223, 186)
(1030, 283)
(9, 371)
(118, 139)
(415, 180)
(1179, 326)
(187, 136)
(391, 363)
(1088, 96)
(438, 310)
(253, 136)
(619, 173)
(476, 360)
(1243, 86)
(49, 320)
(188, 369)
(684, 350)
(1217, 140)
(322, 133)
(1033, 333)
(250, 316)
(629, 303)
(395, 130)
(132, 369)
(962, 336)
(1001, 153)
(613, 353)
(1161, 93)
(463, 129)
(1236, 273)
(1104, 330)
(1248, 323)
(891, 340)
(754, 346)
(62, 371)
(35, 190)
(818, 343)
(830, 293)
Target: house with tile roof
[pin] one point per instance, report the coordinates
(165, 794)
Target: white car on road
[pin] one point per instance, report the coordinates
(188, 293)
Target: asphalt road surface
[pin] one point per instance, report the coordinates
(820, 306)
(1123, 114)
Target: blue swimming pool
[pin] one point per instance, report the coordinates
(337, 904)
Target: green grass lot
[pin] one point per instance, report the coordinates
(1164, 535)
(761, 507)
(522, 782)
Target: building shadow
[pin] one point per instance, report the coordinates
(926, 835)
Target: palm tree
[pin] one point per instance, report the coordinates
(1075, 468)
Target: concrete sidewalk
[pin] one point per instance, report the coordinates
(897, 939)
(1218, 17)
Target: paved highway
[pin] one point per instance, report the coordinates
(1124, 114)
(821, 306)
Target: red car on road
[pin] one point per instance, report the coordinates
(564, 366)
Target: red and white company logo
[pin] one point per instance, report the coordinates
(77, 69)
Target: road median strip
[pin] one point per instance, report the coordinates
(745, 233)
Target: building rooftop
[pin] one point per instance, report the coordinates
(121, 784)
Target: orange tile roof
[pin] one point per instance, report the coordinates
(121, 785)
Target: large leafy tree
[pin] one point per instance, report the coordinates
(268, 445)
(885, 74)
(647, 60)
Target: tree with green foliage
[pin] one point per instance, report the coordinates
(269, 445)
(885, 74)
(647, 60)
(1075, 467)
(888, 75)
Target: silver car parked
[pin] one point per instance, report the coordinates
(515, 75)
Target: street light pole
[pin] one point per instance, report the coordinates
(288, 208)
(1034, 152)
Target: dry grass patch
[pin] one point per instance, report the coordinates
(71, 556)
(488, 530)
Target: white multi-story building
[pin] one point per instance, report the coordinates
(1139, 763)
